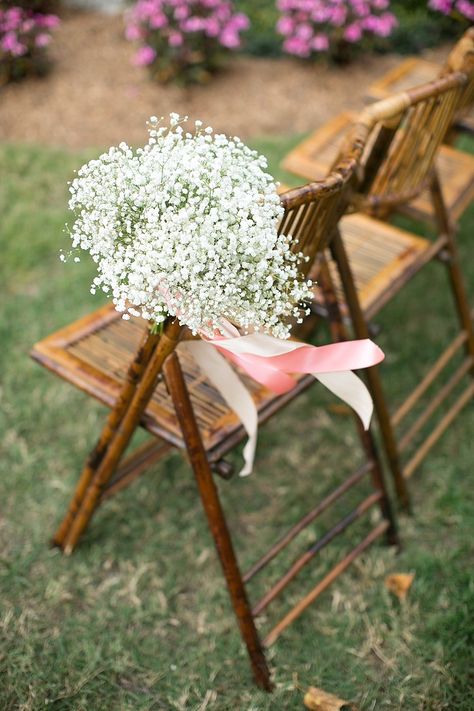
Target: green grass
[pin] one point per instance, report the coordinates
(139, 617)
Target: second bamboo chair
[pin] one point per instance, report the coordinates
(151, 380)
(312, 158)
(415, 71)
(373, 261)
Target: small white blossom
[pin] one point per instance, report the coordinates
(187, 226)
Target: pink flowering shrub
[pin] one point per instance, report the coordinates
(310, 27)
(464, 8)
(24, 37)
(184, 40)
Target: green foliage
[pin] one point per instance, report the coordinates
(36, 5)
(420, 27)
(138, 618)
(261, 38)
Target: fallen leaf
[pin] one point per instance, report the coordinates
(319, 700)
(399, 584)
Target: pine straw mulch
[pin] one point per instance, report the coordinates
(95, 96)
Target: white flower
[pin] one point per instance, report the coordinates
(187, 226)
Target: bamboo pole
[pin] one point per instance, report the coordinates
(216, 520)
(116, 415)
(141, 396)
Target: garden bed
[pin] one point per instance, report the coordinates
(94, 96)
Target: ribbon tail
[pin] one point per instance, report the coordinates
(352, 390)
(226, 381)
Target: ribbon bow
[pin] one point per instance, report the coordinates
(271, 361)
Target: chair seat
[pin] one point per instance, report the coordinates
(313, 158)
(413, 71)
(382, 258)
(94, 353)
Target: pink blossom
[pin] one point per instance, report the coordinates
(193, 24)
(157, 20)
(42, 40)
(360, 8)
(285, 25)
(353, 32)
(466, 8)
(181, 12)
(49, 22)
(229, 39)
(11, 44)
(297, 46)
(175, 39)
(213, 27)
(444, 6)
(144, 56)
(338, 15)
(28, 25)
(133, 32)
(14, 15)
(304, 30)
(320, 43)
(240, 21)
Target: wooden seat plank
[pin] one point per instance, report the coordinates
(379, 254)
(94, 352)
(411, 72)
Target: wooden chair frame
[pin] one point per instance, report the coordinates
(399, 124)
(156, 357)
(454, 88)
(461, 58)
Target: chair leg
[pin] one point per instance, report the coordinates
(361, 330)
(452, 263)
(114, 419)
(340, 333)
(378, 481)
(123, 434)
(216, 520)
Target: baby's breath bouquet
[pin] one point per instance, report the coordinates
(187, 227)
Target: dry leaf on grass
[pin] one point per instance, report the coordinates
(399, 584)
(319, 700)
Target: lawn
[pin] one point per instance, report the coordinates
(138, 618)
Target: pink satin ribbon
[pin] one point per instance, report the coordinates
(273, 371)
(271, 362)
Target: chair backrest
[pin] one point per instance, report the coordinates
(312, 211)
(406, 131)
(461, 59)
(408, 128)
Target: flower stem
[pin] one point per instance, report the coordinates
(157, 328)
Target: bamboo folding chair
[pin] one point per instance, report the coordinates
(415, 71)
(373, 260)
(312, 158)
(151, 380)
